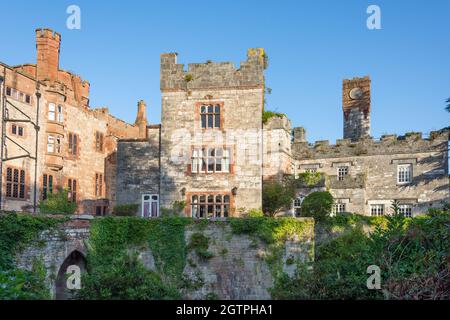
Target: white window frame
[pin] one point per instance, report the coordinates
(342, 171)
(202, 156)
(377, 210)
(51, 112)
(404, 173)
(405, 210)
(338, 207)
(60, 113)
(150, 199)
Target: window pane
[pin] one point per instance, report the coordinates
(217, 109)
(203, 109)
(203, 120)
(226, 199)
(194, 199)
(219, 198)
(210, 199)
(210, 121)
(217, 121)
(218, 211)
(210, 109)
(202, 199)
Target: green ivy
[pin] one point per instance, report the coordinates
(57, 203)
(267, 114)
(18, 231)
(111, 256)
(200, 244)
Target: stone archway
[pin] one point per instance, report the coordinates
(74, 258)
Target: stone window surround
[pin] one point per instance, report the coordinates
(231, 148)
(71, 155)
(99, 141)
(72, 195)
(198, 105)
(26, 183)
(17, 93)
(187, 210)
(98, 184)
(58, 112)
(56, 145)
(18, 127)
(409, 173)
(45, 178)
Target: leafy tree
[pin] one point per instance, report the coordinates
(277, 196)
(58, 203)
(317, 205)
(448, 105)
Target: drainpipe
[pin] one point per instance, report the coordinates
(36, 128)
(3, 83)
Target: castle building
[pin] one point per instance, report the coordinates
(212, 152)
(365, 175)
(53, 139)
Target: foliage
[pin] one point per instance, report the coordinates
(267, 114)
(57, 203)
(411, 253)
(111, 241)
(448, 105)
(270, 230)
(254, 213)
(317, 205)
(276, 196)
(17, 231)
(178, 206)
(188, 77)
(125, 209)
(200, 244)
(310, 178)
(19, 284)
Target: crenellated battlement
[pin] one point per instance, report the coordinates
(411, 142)
(212, 75)
(47, 33)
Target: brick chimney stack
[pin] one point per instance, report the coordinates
(141, 119)
(47, 47)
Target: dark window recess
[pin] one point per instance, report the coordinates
(47, 185)
(72, 188)
(15, 183)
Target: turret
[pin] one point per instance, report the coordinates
(47, 48)
(356, 108)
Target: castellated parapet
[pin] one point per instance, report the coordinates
(212, 75)
(388, 144)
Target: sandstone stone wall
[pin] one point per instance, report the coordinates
(54, 247)
(137, 169)
(373, 170)
(277, 155)
(238, 270)
(240, 92)
(63, 88)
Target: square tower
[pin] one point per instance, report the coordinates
(356, 107)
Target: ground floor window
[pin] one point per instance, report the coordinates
(47, 185)
(150, 205)
(298, 204)
(209, 205)
(377, 210)
(405, 210)
(338, 208)
(15, 183)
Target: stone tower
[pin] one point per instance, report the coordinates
(356, 107)
(47, 48)
(141, 119)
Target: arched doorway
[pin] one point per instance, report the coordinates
(75, 258)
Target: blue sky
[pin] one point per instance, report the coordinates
(312, 46)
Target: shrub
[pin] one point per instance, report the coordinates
(270, 114)
(125, 210)
(317, 205)
(277, 196)
(58, 203)
(200, 244)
